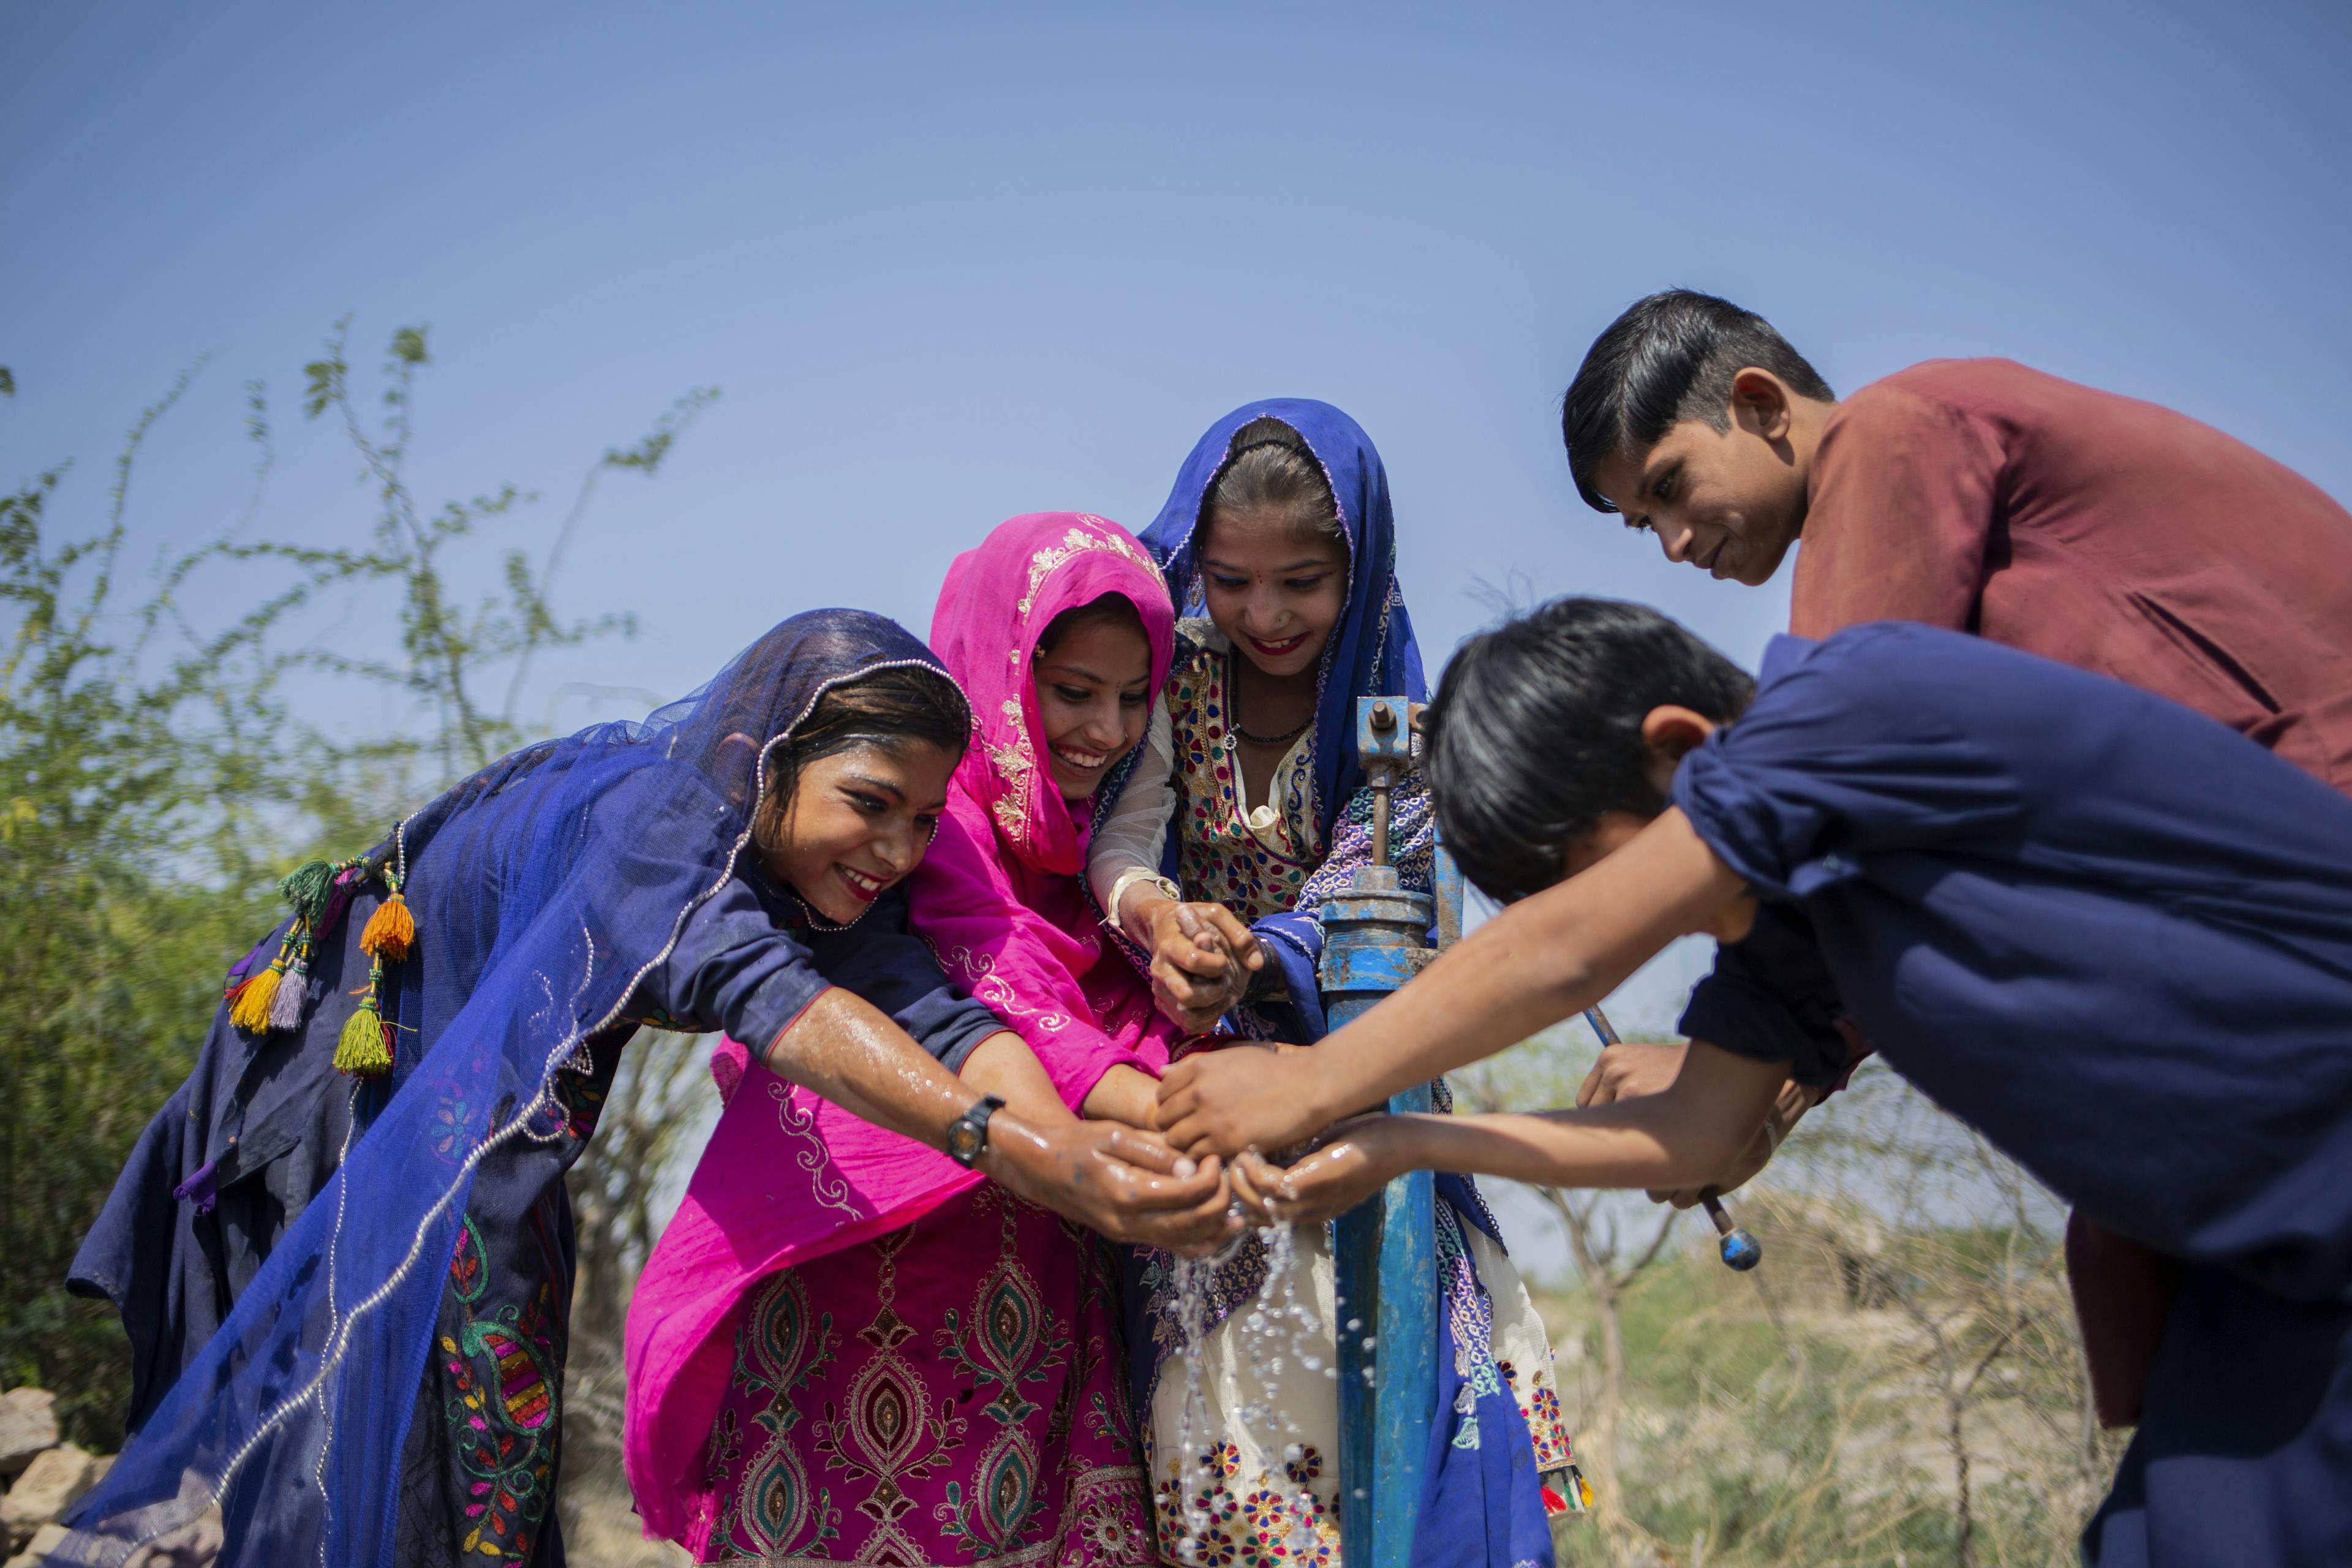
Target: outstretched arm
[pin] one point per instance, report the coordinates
(1559, 952)
(1676, 1139)
(1119, 1181)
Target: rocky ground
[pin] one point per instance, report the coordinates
(46, 1477)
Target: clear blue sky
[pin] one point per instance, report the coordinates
(952, 263)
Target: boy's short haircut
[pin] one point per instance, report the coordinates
(1669, 358)
(1536, 731)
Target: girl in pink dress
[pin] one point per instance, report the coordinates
(937, 1378)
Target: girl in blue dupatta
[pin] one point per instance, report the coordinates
(1244, 811)
(384, 1385)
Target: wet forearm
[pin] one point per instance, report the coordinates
(847, 1049)
(1004, 1065)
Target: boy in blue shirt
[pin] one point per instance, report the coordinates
(2106, 932)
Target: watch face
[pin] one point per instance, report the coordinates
(964, 1141)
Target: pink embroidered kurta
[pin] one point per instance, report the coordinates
(934, 1375)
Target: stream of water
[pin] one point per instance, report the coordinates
(1275, 1329)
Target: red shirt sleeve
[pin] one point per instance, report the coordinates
(1903, 510)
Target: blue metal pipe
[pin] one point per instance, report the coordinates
(1375, 939)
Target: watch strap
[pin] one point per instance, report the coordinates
(968, 1133)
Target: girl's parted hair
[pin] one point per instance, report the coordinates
(1536, 732)
(1270, 468)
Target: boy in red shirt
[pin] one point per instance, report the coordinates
(1984, 497)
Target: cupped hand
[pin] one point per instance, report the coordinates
(1129, 1185)
(1221, 1102)
(1358, 1159)
(1202, 959)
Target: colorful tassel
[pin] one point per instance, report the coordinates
(250, 1003)
(307, 888)
(250, 1011)
(365, 1049)
(293, 992)
(392, 929)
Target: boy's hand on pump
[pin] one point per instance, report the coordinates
(1628, 1071)
(1625, 1070)
(1788, 1110)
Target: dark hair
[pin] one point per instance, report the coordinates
(1112, 608)
(1536, 731)
(888, 708)
(1669, 359)
(1270, 467)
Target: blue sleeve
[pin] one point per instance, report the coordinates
(1843, 756)
(731, 968)
(883, 961)
(1770, 998)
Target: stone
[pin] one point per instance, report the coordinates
(28, 1426)
(43, 1493)
(46, 1540)
(194, 1545)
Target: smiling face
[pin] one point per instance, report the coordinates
(1094, 694)
(858, 821)
(1728, 501)
(1724, 501)
(1276, 588)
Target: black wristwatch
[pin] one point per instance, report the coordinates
(968, 1133)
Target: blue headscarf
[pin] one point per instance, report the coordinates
(544, 888)
(1371, 652)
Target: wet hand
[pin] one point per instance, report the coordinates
(1358, 1159)
(1127, 1184)
(1221, 1102)
(1202, 959)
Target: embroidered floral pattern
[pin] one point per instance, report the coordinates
(1261, 1521)
(1539, 1403)
(977, 972)
(798, 1122)
(987, 1426)
(1076, 541)
(1219, 855)
(1018, 764)
(503, 1374)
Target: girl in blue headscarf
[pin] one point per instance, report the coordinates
(362, 1184)
(1244, 810)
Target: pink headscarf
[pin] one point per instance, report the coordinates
(999, 896)
(789, 1176)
